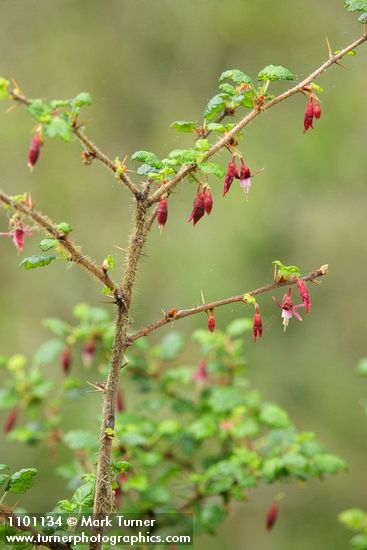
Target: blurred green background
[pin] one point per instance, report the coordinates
(146, 64)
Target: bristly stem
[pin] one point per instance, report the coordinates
(73, 252)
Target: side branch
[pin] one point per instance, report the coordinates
(88, 144)
(7, 514)
(67, 244)
(180, 314)
(167, 188)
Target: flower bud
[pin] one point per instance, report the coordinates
(34, 150)
(162, 213)
(232, 172)
(201, 375)
(66, 360)
(10, 421)
(272, 516)
(309, 114)
(198, 210)
(257, 326)
(316, 108)
(304, 294)
(208, 200)
(211, 321)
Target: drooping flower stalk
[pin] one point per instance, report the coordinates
(198, 210)
(257, 326)
(288, 309)
(162, 213)
(271, 516)
(304, 294)
(232, 172)
(211, 321)
(34, 149)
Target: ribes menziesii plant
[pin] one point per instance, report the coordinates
(201, 428)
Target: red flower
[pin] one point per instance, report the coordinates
(257, 324)
(66, 360)
(211, 321)
(208, 200)
(309, 114)
(271, 516)
(245, 176)
(10, 421)
(201, 375)
(89, 351)
(34, 150)
(288, 309)
(232, 172)
(162, 213)
(199, 209)
(119, 401)
(304, 294)
(316, 108)
(17, 231)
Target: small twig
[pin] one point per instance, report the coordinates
(7, 513)
(168, 186)
(17, 95)
(180, 314)
(50, 228)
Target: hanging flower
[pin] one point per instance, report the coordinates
(257, 326)
(211, 321)
(119, 401)
(308, 118)
(232, 172)
(201, 374)
(304, 294)
(34, 150)
(198, 209)
(245, 177)
(208, 200)
(89, 351)
(66, 360)
(288, 310)
(272, 516)
(162, 213)
(17, 231)
(10, 421)
(316, 108)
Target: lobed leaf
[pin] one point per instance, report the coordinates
(275, 72)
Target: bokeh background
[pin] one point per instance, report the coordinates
(146, 64)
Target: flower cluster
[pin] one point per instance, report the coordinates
(313, 110)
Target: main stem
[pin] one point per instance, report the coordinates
(103, 500)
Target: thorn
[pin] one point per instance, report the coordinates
(330, 51)
(97, 387)
(119, 248)
(202, 297)
(12, 107)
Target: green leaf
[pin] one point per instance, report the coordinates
(215, 105)
(121, 466)
(21, 481)
(80, 439)
(47, 244)
(82, 99)
(4, 88)
(40, 110)
(202, 145)
(238, 327)
(64, 227)
(286, 272)
(249, 299)
(84, 495)
(146, 169)
(110, 263)
(275, 72)
(48, 352)
(359, 542)
(355, 519)
(236, 76)
(362, 19)
(3, 467)
(4, 478)
(356, 5)
(148, 158)
(58, 127)
(184, 125)
(171, 346)
(57, 326)
(328, 464)
(212, 168)
(36, 261)
(273, 416)
(183, 155)
(211, 516)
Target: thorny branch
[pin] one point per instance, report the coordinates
(180, 314)
(167, 187)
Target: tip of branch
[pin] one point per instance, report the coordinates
(324, 269)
